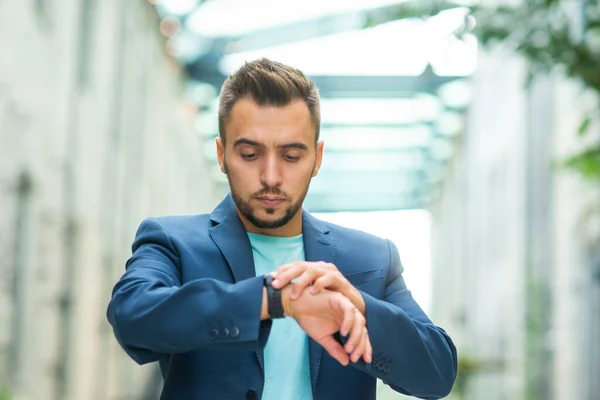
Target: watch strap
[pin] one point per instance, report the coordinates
(275, 305)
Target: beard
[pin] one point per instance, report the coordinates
(249, 213)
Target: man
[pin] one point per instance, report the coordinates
(261, 300)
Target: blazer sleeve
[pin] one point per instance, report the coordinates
(410, 353)
(152, 313)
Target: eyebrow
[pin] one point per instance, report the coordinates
(242, 141)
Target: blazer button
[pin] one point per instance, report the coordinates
(234, 332)
(224, 333)
(213, 334)
(251, 394)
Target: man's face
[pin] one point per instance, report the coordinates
(270, 156)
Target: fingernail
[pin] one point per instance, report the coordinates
(313, 290)
(274, 274)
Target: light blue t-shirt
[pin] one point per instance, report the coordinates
(287, 371)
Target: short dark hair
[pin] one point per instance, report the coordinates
(268, 83)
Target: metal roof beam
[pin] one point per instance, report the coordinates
(380, 86)
(331, 86)
(358, 203)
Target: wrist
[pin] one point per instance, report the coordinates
(285, 300)
(358, 300)
(264, 310)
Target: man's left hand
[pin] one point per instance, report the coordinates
(317, 275)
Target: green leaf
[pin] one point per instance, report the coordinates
(550, 3)
(593, 24)
(540, 32)
(584, 126)
(586, 163)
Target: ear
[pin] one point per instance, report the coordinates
(318, 158)
(220, 153)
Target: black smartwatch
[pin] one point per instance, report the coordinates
(275, 305)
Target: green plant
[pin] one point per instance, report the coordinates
(469, 366)
(5, 393)
(552, 35)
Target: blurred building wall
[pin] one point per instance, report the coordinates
(575, 252)
(514, 246)
(94, 137)
(478, 232)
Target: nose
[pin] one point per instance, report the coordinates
(271, 173)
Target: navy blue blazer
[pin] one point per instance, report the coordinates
(190, 300)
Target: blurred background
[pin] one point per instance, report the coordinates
(466, 132)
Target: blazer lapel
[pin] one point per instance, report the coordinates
(229, 235)
(231, 238)
(318, 246)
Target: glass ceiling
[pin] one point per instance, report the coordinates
(372, 138)
(356, 111)
(254, 15)
(381, 153)
(402, 47)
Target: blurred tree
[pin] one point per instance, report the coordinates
(468, 366)
(553, 35)
(4, 392)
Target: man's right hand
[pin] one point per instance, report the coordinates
(325, 313)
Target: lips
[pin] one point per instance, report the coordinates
(270, 201)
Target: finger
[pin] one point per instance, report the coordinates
(356, 333)
(329, 266)
(323, 282)
(291, 272)
(303, 281)
(279, 271)
(284, 268)
(349, 316)
(323, 265)
(335, 350)
(361, 348)
(368, 357)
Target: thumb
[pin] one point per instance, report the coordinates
(334, 349)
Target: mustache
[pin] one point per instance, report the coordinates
(270, 191)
